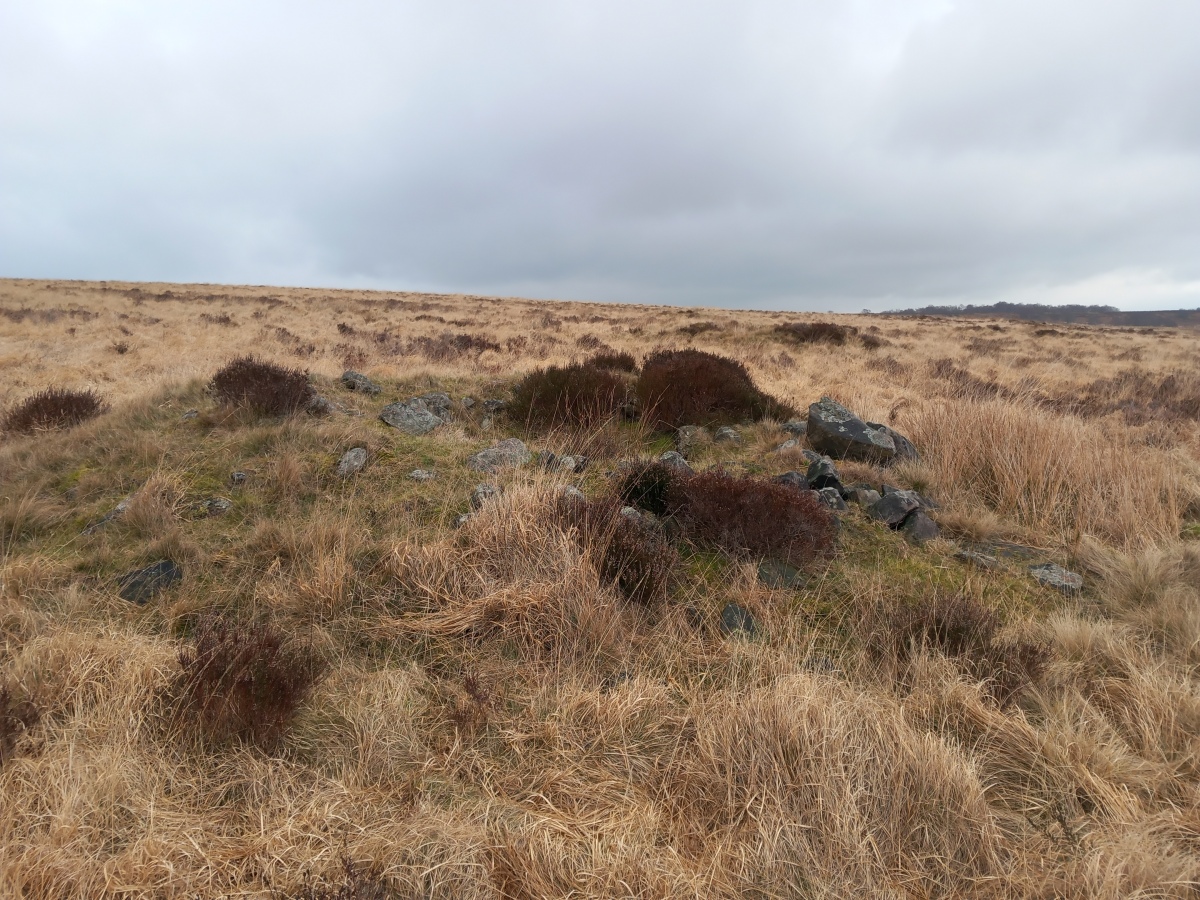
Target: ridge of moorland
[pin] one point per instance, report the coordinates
(461, 596)
(1067, 314)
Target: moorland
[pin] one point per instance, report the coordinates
(255, 641)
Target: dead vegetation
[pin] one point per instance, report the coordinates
(347, 697)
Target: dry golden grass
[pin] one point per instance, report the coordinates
(496, 721)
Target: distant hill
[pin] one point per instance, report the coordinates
(1072, 314)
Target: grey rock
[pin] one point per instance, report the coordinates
(810, 457)
(789, 444)
(982, 560)
(142, 585)
(688, 437)
(726, 434)
(485, 422)
(794, 479)
(864, 496)
(437, 402)
(904, 447)
(1055, 576)
(237, 479)
(832, 498)
(482, 494)
(461, 520)
(467, 402)
(190, 414)
(352, 462)
(780, 575)
(413, 417)
(835, 431)
(631, 512)
(215, 506)
(573, 493)
(356, 381)
(565, 464)
(320, 406)
(892, 509)
(495, 406)
(824, 474)
(919, 528)
(675, 460)
(422, 475)
(796, 427)
(886, 489)
(508, 453)
(736, 620)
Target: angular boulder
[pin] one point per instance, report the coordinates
(837, 432)
(892, 509)
(823, 474)
(437, 402)
(509, 453)
(794, 479)
(904, 447)
(832, 498)
(919, 528)
(413, 418)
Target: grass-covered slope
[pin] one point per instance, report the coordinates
(491, 715)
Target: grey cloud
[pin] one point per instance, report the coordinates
(760, 154)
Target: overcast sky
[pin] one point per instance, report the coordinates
(817, 154)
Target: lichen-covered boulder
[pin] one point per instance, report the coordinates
(837, 432)
(413, 417)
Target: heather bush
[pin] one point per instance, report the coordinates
(693, 387)
(816, 332)
(574, 396)
(961, 627)
(648, 486)
(53, 408)
(243, 680)
(613, 361)
(265, 388)
(628, 552)
(17, 715)
(750, 516)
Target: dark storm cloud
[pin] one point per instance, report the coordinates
(825, 154)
